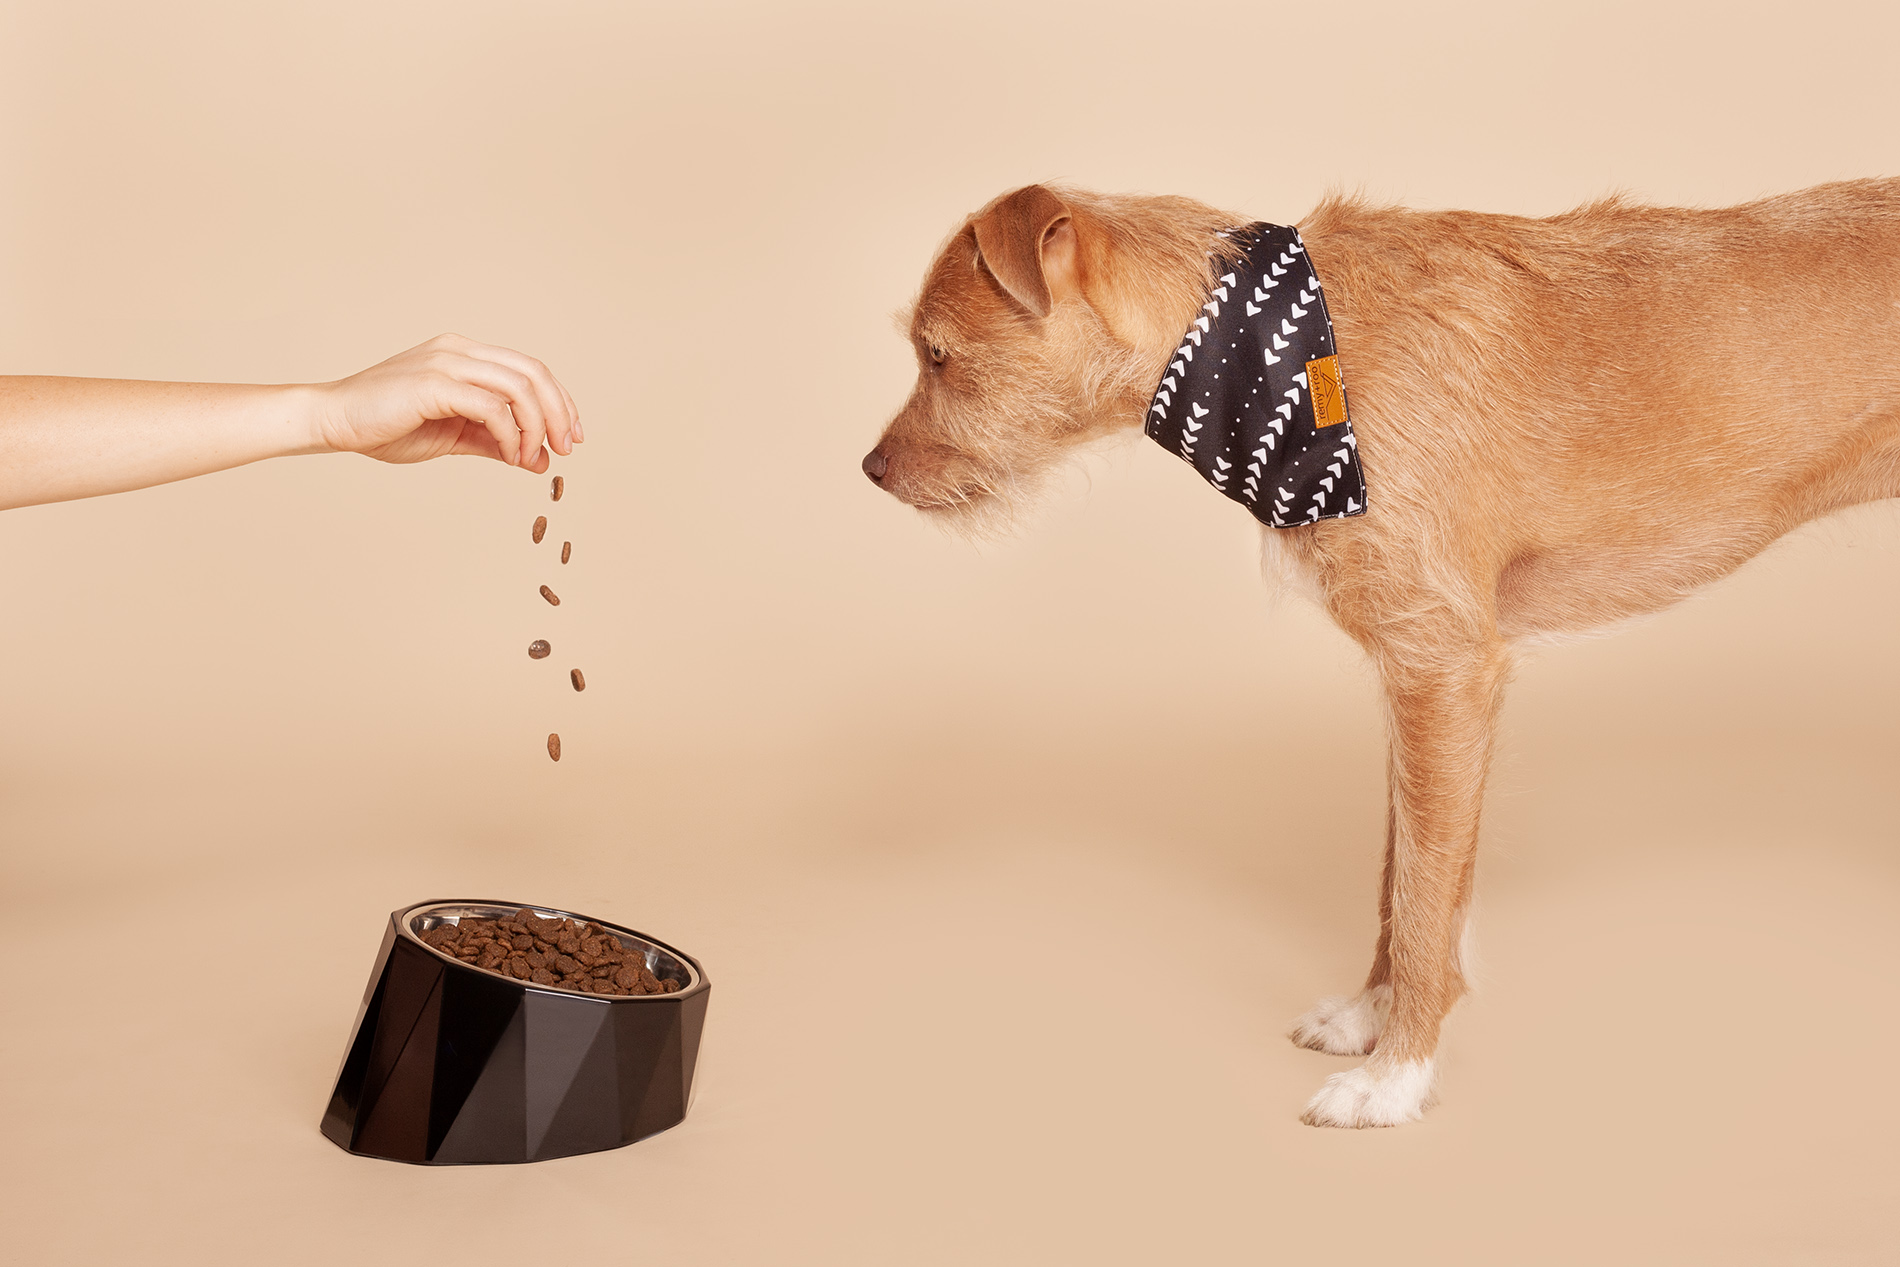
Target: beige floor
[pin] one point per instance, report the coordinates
(1009, 866)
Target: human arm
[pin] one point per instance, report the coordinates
(64, 438)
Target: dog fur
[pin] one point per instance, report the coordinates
(1564, 423)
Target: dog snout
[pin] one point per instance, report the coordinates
(875, 464)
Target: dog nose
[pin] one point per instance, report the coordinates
(875, 464)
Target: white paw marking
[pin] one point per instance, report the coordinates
(1345, 1026)
(1371, 1096)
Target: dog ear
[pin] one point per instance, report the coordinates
(1011, 235)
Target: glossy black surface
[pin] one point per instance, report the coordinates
(452, 1065)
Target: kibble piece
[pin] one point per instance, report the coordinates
(560, 486)
(554, 747)
(574, 676)
(541, 976)
(554, 599)
(540, 528)
(567, 548)
(538, 649)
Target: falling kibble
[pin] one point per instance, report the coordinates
(539, 649)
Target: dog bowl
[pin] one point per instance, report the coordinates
(450, 1064)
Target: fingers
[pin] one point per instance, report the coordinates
(573, 411)
(515, 388)
(475, 441)
(553, 413)
(492, 412)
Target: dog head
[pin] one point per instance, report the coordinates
(1038, 329)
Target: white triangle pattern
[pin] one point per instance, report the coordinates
(1229, 418)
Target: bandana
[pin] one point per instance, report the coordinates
(1253, 399)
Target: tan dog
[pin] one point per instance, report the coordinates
(1563, 423)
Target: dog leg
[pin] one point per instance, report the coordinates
(1345, 1024)
(1442, 719)
(1349, 1025)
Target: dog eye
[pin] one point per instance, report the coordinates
(937, 354)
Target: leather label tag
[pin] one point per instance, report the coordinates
(1329, 394)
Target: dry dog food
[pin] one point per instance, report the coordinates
(539, 649)
(562, 953)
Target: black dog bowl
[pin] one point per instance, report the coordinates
(454, 1065)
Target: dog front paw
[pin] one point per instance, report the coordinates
(1345, 1026)
(1371, 1096)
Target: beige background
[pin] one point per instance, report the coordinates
(1009, 865)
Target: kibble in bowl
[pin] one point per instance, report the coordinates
(459, 1059)
(565, 954)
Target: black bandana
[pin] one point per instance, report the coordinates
(1263, 418)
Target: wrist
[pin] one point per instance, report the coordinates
(302, 413)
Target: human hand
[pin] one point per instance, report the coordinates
(449, 395)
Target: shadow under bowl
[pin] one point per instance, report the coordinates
(450, 1064)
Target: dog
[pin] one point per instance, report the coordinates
(1564, 423)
